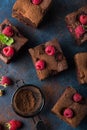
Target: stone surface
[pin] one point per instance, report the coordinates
(22, 67)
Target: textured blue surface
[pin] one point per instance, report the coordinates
(22, 67)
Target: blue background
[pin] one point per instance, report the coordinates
(22, 67)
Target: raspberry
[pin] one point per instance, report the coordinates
(77, 97)
(40, 65)
(13, 124)
(83, 19)
(68, 113)
(8, 31)
(8, 51)
(36, 2)
(50, 50)
(5, 81)
(79, 31)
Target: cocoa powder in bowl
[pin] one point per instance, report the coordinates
(27, 101)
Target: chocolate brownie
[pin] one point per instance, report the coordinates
(30, 12)
(81, 66)
(48, 59)
(11, 41)
(71, 107)
(77, 24)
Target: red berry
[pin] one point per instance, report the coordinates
(68, 113)
(40, 65)
(50, 50)
(8, 31)
(5, 81)
(36, 2)
(14, 124)
(83, 19)
(8, 51)
(79, 31)
(77, 97)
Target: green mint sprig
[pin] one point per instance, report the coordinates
(6, 40)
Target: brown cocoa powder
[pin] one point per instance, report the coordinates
(27, 100)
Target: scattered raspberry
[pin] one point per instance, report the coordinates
(36, 2)
(50, 50)
(40, 65)
(8, 51)
(13, 124)
(77, 97)
(83, 19)
(5, 81)
(79, 31)
(68, 113)
(8, 31)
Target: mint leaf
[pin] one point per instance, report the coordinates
(6, 40)
(9, 41)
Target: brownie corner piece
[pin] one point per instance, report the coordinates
(29, 13)
(77, 24)
(11, 41)
(71, 107)
(48, 59)
(81, 67)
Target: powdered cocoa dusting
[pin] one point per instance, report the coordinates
(25, 101)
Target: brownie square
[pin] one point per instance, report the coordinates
(69, 100)
(29, 13)
(49, 58)
(77, 24)
(81, 66)
(19, 40)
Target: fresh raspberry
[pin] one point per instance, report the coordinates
(8, 51)
(79, 31)
(8, 31)
(5, 81)
(36, 2)
(13, 124)
(68, 113)
(77, 97)
(83, 19)
(50, 50)
(40, 65)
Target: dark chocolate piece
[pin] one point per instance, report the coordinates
(79, 109)
(73, 21)
(30, 14)
(81, 66)
(19, 40)
(55, 62)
